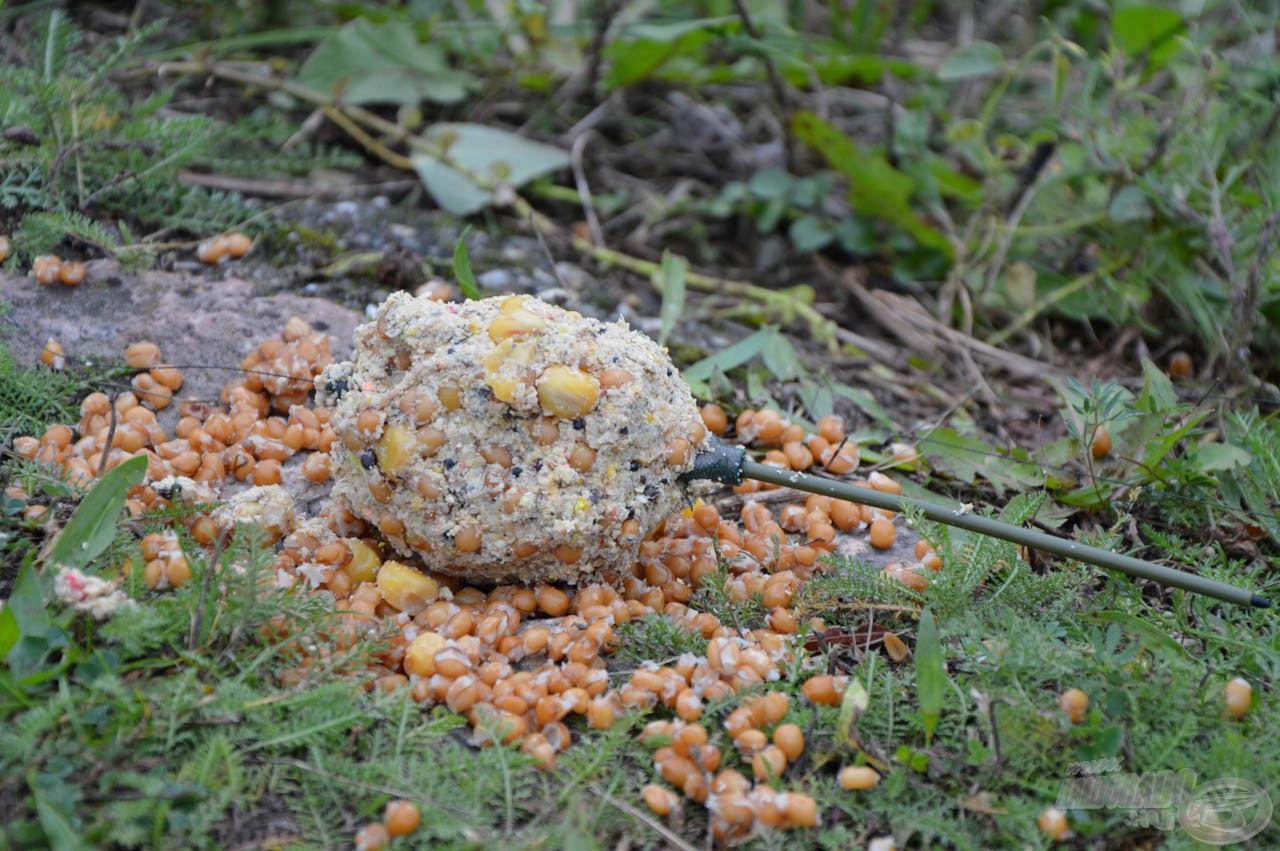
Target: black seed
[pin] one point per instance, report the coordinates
(448, 463)
(635, 465)
(336, 388)
(368, 459)
(516, 471)
(579, 424)
(644, 479)
(537, 464)
(624, 430)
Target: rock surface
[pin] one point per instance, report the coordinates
(203, 326)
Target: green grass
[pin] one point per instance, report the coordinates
(1075, 182)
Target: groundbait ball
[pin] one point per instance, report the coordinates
(509, 440)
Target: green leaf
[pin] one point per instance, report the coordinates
(475, 160)
(383, 63)
(931, 674)
(866, 403)
(671, 283)
(1212, 457)
(462, 270)
(962, 457)
(1147, 29)
(972, 60)
(780, 357)
(1129, 205)
(697, 375)
(770, 183)
(644, 48)
(93, 525)
(855, 702)
(9, 632)
(876, 188)
(1148, 633)
(1157, 395)
(838, 67)
(810, 233)
(55, 803)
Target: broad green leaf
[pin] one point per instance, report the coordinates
(972, 60)
(462, 270)
(383, 63)
(770, 183)
(644, 48)
(780, 358)
(1147, 30)
(9, 632)
(93, 525)
(931, 674)
(866, 403)
(1157, 395)
(698, 374)
(1105, 744)
(838, 67)
(855, 702)
(476, 155)
(671, 283)
(810, 233)
(953, 184)
(876, 188)
(38, 631)
(962, 457)
(1212, 457)
(55, 800)
(1147, 632)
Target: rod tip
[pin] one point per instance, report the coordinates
(1260, 602)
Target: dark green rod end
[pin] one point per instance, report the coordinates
(719, 463)
(1260, 602)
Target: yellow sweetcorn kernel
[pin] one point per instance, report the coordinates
(567, 392)
(508, 351)
(420, 656)
(407, 589)
(450, 396)
(514, 323)
(364, 563)
(395, 448)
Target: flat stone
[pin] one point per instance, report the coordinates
(204, 326)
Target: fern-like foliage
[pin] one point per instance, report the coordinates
(103, 154)
(850, 583)
(33, 397)
(41, 232)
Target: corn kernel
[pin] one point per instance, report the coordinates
(364, 563)
(504, 387)
(420, 656)
(394, 448)
(567, 392)
(515, 322)
(407, 589)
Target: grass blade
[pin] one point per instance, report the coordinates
(671, 282)
(931, 675)
(462, 270)
(94, 524)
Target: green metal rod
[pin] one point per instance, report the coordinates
(730, 465)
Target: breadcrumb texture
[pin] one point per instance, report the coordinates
(270, 507)
(509, 440)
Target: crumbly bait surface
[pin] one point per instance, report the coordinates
(508, 440)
